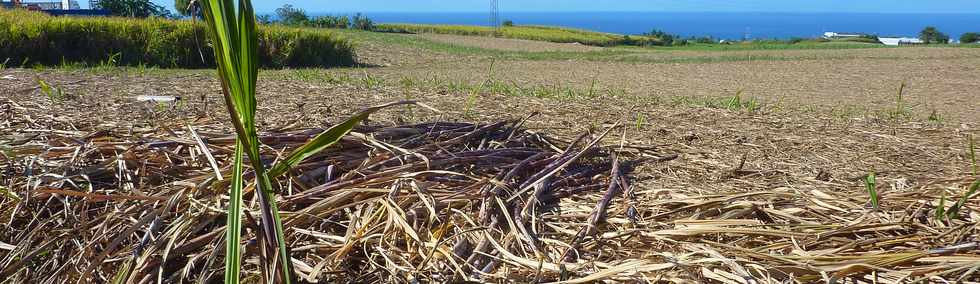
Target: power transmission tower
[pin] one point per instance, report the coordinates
(494, 18)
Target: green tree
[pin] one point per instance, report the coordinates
(970, 38)
(362, 22)
(188, 8)
(290, 16)
(508, 23)
(930, 35)
(665, 38)
(134, 8)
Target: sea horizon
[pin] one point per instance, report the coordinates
(719, 25)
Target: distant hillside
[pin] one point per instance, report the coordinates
(541, 33)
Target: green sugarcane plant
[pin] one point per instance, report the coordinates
(235, 48)
(233, 36)
(972, 152)
(954, 211)
(941, 209)
(870, 184)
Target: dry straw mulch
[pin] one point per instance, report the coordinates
(449, 201)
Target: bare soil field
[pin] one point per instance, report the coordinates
(708, 194)
(507, 44)
(941, 80)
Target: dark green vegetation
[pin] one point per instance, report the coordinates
(134, 8)
(668, 39)
(970, 38)
(288, 15)
(291, 16)
(31, 38)
(665, 38)
(931, 35)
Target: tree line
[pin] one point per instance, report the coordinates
(292, 16)
(928, 35)
(285, 15)
(932, 35)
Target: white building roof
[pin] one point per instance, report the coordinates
(836, 34)
(899, 40)
(53, 4)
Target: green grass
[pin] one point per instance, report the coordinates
(935, 116)
(539, 33)
(53, 93)
(29, 38)
(736, 102)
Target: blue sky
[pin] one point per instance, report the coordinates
(882, 6)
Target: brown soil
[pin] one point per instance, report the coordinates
(941, 80)
(508, 44)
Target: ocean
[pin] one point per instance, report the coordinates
(717, 25)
